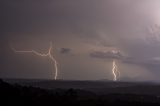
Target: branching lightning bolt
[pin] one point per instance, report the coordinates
(115, 72)
(48, 54)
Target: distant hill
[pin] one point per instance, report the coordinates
(18, 95)
(98, 87)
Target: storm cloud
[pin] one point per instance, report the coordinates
(89, 27)
(106, 55)
(65, 50)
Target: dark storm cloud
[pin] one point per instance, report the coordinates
(28, 16)
(65, 50)
(106, 55)
(79, 23)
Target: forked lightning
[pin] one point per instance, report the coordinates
(115, 72)
(48, 54)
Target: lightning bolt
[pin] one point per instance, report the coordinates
(48, 54)
(115, 72)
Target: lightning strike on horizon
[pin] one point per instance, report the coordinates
(115, 72)
(48, 54)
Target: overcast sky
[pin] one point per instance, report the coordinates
(84, 34)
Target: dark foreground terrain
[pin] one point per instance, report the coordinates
(39, 93)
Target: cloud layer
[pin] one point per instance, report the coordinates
(91, 28)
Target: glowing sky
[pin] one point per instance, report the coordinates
(84, 34)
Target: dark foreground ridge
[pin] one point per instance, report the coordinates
(17, 95)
